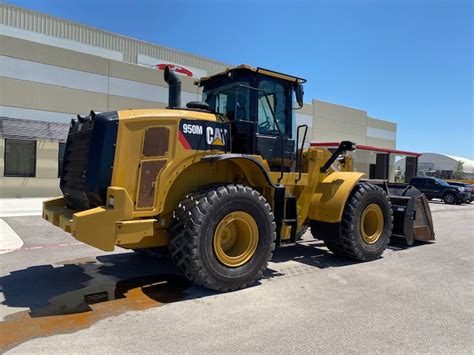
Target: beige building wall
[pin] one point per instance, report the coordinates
(46, 182)
(52, 69)
(41, 28)
(14, 187)
(46, 81)
(47, 154)
(334, 123)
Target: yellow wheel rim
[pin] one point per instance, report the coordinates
(371, 223)
(236, 239)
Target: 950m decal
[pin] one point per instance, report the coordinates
(203, 135)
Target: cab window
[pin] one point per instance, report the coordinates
(231, 101)
(273, 98)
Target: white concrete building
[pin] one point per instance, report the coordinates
(442, 166)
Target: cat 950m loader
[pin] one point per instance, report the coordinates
(221, 183)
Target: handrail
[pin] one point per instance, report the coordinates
(342, 148)
(300, 156)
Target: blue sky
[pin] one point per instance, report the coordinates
(410, 62)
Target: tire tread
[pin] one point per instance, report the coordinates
(348, 246)
(185, 231)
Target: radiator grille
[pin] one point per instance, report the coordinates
(73, 180)
(89, 159)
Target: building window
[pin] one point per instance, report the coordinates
(20, 158)
(62, 149)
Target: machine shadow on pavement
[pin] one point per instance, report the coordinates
(75, 294)
(400, 244)
(73, 286)
(312, 253)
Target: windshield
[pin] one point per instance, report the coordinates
(272, 106)
(264, 100)
(231, 101)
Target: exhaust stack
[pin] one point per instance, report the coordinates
(174, 91)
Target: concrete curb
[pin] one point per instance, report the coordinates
(9, 240)
(16, 207)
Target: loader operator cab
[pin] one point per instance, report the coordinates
(258, 104)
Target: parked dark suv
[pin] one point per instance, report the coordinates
(437, 188)
(469, 188)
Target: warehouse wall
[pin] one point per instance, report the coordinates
(333, 123)
(46, 182)
(52, 69)
(42, 82)
(441, 163)
(49, 83)
(45, 29)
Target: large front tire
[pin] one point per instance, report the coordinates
(366, 225)
(223, 238)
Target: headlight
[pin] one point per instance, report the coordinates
(461, 189)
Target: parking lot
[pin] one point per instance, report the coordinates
(58, 295)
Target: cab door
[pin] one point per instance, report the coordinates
(274, 123)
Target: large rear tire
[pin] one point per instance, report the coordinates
(223, 238)
(366, 225)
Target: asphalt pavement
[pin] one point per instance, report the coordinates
(61, 296)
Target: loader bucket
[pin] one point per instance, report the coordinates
(411, 214)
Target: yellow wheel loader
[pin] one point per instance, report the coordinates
(222, 182)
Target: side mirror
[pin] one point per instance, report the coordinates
(299, 92)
